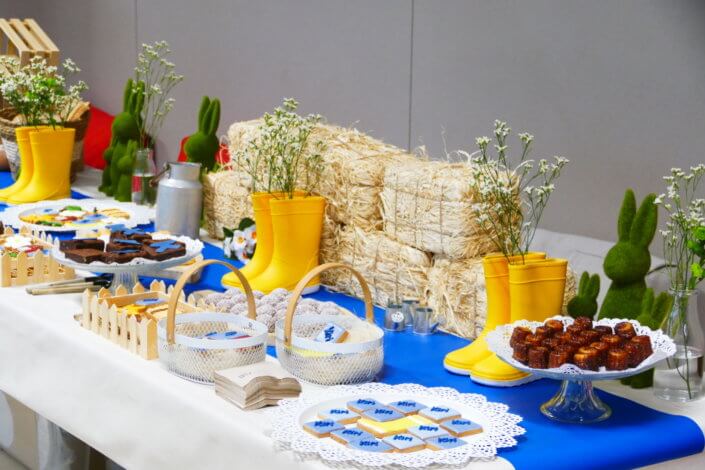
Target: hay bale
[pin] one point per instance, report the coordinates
(393, 270)
(353, 169)
(226, 200)
(428, 205)
(456, 292)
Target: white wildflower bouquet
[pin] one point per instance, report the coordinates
(159, 78)
(511, 199)
(39, 92)
(281, 157)
(684, 233)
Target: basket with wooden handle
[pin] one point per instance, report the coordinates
(194, 345)
(357, 360)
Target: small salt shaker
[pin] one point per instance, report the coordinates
(394, 318)
(408, 306)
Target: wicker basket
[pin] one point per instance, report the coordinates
(328, 363)
(9, 140)
(187, 353)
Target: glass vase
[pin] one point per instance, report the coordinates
(680, 377)
(143, 192)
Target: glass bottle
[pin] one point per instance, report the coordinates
(143, 193)
(680, 377)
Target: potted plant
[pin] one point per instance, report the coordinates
(520, 284)
(285, 166)
(46, 115)
(679, 378)
(145, 106)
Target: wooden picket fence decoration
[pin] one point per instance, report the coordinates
(103, 313)
(39, 268)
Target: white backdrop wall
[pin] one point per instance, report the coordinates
(616, 86)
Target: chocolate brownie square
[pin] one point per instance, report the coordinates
(84, 255)
(118, 244)
(164, 249)
(125, 255)
(121, 232)
(79, 243)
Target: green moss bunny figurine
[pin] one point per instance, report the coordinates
(584, 304)
(126, 127)
(628, 262)
(203, 146)
(652, 314)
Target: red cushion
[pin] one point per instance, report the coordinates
(222, 157)
(97, 137)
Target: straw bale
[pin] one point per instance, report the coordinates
(353, 169)
(226, 200)
(428, 205)
(394, 271)
(456, 292)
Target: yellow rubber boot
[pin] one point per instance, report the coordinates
(536, 289)
(495, 267)
(26, 162)
(296, 227)
(265, 242)
(536, 292)
(51, 151)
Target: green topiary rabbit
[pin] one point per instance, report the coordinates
(652, 314)
(126, 127)
(125, 163)
(202, 146)
(584, 304)
(628, 262)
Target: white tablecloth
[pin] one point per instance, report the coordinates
(138, 414)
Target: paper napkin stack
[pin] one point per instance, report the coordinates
(256, 385)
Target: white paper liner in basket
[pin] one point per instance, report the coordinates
(662, 345)
(328, 363)
(500, 428)
(182, 348)
(138, 215)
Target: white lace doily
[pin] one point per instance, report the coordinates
(193, 249)
(498, 342)
(499, 427)
(138, 215)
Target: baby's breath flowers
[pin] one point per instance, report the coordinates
(282, 153)
(511, 198)
(159, 78)
(684, 229)
(39, 92)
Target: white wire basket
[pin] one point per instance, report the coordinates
(329, 363)
(185, 350)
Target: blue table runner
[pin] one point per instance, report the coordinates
(633, 436)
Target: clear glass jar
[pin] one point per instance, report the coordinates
(143, 192)
(680, 377)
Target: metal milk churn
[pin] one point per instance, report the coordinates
(179, 200)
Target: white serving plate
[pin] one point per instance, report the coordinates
(500, 428)
(138, 215)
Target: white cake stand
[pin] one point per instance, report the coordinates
(576, 401)
(126, 274)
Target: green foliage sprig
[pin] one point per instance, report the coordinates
(281, 159)
(39, 92)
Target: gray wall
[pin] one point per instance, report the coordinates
(616, 86)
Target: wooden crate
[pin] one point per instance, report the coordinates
(26, 39)
(105, 314)
(39, 268)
